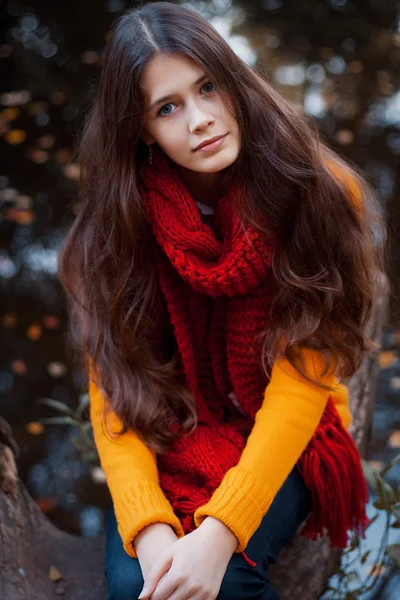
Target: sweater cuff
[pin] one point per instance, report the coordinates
(142, 505)
(233, 503)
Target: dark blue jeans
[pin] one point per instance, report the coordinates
(242, 581)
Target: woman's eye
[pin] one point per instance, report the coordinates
(207, 82)
(162, 114)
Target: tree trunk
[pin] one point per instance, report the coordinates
(30, 544)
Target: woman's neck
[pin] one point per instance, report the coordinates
(204, 187)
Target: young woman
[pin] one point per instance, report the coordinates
(220, 274)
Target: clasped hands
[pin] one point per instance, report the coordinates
(192, 567)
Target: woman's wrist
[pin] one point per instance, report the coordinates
(221, 532)
(150, 533)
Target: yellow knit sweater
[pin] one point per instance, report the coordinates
(288, 417)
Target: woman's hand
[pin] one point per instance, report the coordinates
(151, 542)
(194, 566)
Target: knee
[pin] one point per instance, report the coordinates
(125, 581)
(243, 581)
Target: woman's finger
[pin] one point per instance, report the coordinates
(160, 568)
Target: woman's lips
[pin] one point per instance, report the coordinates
(213, 145)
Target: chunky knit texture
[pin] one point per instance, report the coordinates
(218, 287)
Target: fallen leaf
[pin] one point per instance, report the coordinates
(60, 591)
(54, 574)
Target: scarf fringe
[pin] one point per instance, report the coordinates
(331, 468)
(248, 560)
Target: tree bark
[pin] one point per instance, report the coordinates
(30, 544)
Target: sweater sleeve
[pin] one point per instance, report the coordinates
(132, 476)
(290, 413)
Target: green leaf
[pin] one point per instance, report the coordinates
(58, 406)
(352, 577)
(369, 474)
(354, 542)
(390, 464)
(385, 491)
(87, 427)
(396, 511)
(395, 525)
(92, 456)
(365, 556)
(58, 421)
(393, 553)
(83, 403)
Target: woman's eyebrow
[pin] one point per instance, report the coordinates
(165, 98)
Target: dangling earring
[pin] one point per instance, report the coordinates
(150, 155)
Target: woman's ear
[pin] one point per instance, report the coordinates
(147, 139)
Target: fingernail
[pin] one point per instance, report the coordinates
(143, 593)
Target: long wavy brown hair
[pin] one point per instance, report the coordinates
(321, 215)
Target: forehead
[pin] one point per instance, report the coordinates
(168, 73)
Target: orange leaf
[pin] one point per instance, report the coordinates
(51, 322)
(35, 428)
(34, 332)
(15, 136)
(18, 367)
(394, 440)
(9, 114)
(54, 573)
(387, 358)
(46, 504)
(9, 320)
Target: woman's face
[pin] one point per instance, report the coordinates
(196, 111)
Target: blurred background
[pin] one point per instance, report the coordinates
(337, 59)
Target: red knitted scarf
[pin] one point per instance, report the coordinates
(217, 288)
